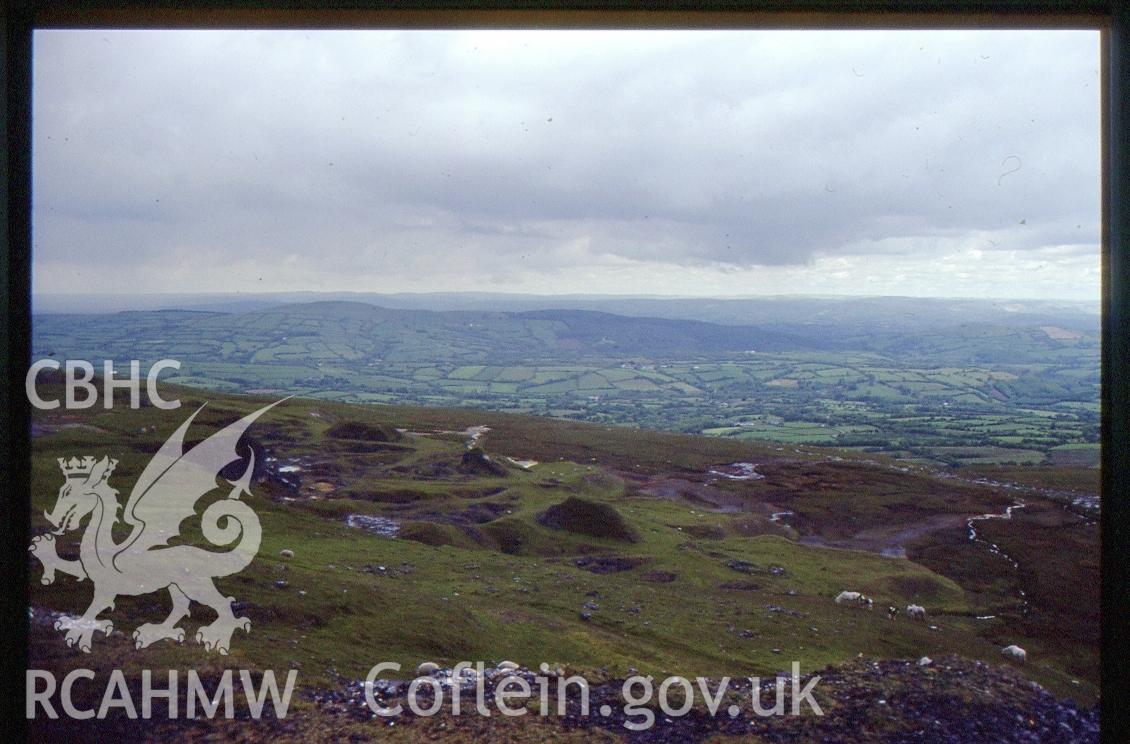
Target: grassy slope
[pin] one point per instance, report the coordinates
(471, 600)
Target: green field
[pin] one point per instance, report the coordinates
(970, 395)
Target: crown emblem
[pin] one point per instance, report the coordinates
(76, 468)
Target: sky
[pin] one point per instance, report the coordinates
(706, 163)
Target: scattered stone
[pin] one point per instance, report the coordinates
(932, 704)
(380, 526)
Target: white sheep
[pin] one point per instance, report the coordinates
(427, 668)
(916, 611)
(286, 553)
(1015, 652)
(854, 598)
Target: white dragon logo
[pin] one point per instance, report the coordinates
(164, 496)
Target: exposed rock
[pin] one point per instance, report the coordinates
(427, 668)
(476, 462)
(381, 526)
(605, 564)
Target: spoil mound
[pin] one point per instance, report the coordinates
(360, 431)
(587, 518)
(476, 462)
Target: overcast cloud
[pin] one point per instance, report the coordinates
(689, 163)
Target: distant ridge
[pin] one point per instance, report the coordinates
(782, 312)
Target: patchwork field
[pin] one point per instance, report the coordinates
(970, 394)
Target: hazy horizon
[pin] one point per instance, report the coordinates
(601, 295)
(77, 303)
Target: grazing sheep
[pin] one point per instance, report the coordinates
(916, 611)
(507, 666)
(286, 553)
(427, 668)
(925, 661)
(1015, 652)
(854, 598)
(892, 612)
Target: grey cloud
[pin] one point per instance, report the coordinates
(695, 149)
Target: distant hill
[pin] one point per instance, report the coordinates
(864, 314)
(931, 379)
(933, 332)
(363, 330)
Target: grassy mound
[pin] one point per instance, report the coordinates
(430, 533)
(513, 536)
(359, 430)
(476, 462)
(588, 518)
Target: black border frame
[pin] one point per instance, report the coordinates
(22, 17)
